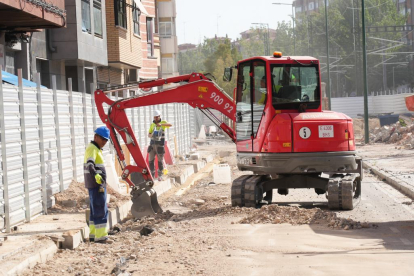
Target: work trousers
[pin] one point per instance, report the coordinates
(159, 151)
(99, 215)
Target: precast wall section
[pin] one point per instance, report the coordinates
(43, 136)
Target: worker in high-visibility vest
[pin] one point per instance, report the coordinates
(95, 182)
(157, 134)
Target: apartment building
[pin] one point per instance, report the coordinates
(22, 24)
(151, 49)
(308, 6)
(168, 37)
(79, 49)
(133, 45)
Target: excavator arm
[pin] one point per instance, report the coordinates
(194, 89)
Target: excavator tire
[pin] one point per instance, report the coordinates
(344, 192)
(246, 192)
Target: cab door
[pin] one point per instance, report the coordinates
(250, 103)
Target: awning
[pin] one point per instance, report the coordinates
(13, 79)
(142, 8)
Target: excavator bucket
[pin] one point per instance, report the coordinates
(144, 203)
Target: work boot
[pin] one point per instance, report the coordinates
(160, 178)
(105, 241)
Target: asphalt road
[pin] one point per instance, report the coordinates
(314, 250)
(217, 245)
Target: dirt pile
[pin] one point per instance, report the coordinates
(359, 127)
(154, 223)
(75, 199)
(275, 214)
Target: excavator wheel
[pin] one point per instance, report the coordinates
(246, 191)
(344, 192)
(144, 203)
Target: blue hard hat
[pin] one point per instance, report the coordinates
(103, 131)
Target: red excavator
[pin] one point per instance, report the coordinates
(282, 135)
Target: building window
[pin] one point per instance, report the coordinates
(402, 9)
(298, 9)
(97, 17)
(150, 37)
(86, 16)
(135, 19)
(9, 60)
(120, 13)
(167, 65)
(132, 75)
(311, 6)
(165, 29)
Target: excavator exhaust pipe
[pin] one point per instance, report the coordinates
(144, 203)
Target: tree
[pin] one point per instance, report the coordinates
(284, 41)
(254, 45)
(224, 56)
(345, 38)
(211, 56)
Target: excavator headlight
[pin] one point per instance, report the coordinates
(277, 54)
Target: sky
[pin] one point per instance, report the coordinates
(197, 19)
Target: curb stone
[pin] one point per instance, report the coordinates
(44, 254)
(398, 184)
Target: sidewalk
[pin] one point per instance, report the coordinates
(392, 163)
(38, 241)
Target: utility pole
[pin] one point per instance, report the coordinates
(328, 83)
(293, 20)
(364, 53)
(218, 17)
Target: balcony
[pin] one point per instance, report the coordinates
(29, 15)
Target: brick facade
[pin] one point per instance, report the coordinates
(127, 50)
(124, 47)
(150, 66)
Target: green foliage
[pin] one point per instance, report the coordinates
(284, 41)
(345, 38)
(253, 46)
(212, 56)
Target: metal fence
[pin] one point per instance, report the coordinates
(378, 102)
(43, 134)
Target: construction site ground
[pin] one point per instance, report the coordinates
(200, 233)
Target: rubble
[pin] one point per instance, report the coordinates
(275, 214)
(400, 133)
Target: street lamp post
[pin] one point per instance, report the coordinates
(328, 83)
(293, 20)
(267, 38)
(364, 54)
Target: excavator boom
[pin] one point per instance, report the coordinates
(194, 89)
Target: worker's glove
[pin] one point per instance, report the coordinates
(98, 178)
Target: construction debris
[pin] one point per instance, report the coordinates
(400, 133)
(275, 214)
